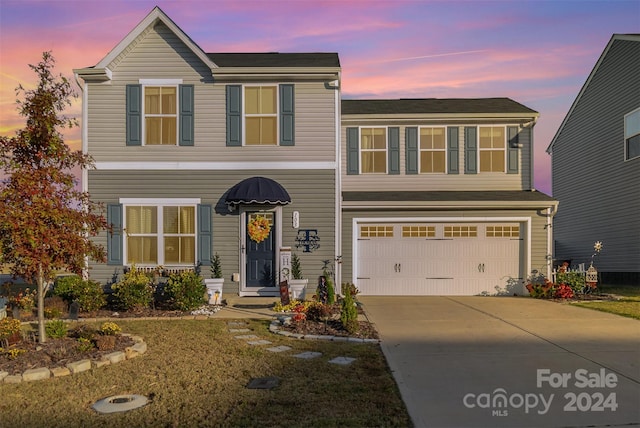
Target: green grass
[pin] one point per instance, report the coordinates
(195, 373)
(628, 305)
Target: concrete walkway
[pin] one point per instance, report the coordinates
(509, 361)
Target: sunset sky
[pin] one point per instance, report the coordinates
(538, 53)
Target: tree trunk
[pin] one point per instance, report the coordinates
(42, 335)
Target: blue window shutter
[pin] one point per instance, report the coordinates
(205, 235)
(186, 126)
(411, 150)
(114, 236)
(234, 115)
(353, 152)
(134, 115)
(287, 115)
(394, 150)
(512, 150)
(470, 150)
(453, 153)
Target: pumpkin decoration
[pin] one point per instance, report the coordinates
(258, 228)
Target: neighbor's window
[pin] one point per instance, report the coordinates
(632, 135)
(373, 150)
(433, 153)
(172, 243)
(160, 115)
(492, 148)
(261, 115)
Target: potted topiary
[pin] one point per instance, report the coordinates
(297, 283)
(215, 283)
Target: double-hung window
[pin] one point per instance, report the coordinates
(433, 150)
(632, 135)
(373, 151)
(492, 145)
(261, 115)
(160, 234)
(160, 115)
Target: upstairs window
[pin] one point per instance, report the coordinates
(261, 115)
(433, 150)
(492, 144)
(160, 115)
(373, 151)
(632, 135)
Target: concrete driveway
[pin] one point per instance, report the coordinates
(509, 361)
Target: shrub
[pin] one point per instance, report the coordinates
(575, 280)
(89, 294)
(54, 307)
(186, 290)
(296, 269)
(317, 311)
(563, 291)
(56, 329)
(539, 286)
(9, 327)
(216, 266)
(349, 314)
(83, 331)
(134, 291)
(85, 345)
(349, 288)
(110, 329)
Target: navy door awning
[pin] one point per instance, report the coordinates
(258, 190)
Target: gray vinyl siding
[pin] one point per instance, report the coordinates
(159, 54)
(439, 182)
(312, 194)
(599, 192)
(538, 231)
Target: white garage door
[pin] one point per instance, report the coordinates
(437, 259)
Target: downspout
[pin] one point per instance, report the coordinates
(550, 213)
(84, 178)
(338, 186)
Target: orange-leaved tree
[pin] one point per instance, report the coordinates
(46, 222)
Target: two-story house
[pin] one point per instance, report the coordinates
(201, 153)
(438, 197)
(595, 162)
(248, 154)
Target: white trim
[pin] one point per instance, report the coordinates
(160, 82)
(338, 189)
(224, 166)
(159, 204)
(526, 221)
(159, 201)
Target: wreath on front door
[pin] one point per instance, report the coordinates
(259, 228)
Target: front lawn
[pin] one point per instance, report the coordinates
(195, 374)
(627, 305)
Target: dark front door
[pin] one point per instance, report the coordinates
(260, 255)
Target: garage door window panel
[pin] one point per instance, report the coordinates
(376, 232)
(460, 231)
(418, 231)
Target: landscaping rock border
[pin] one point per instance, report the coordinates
(274, 327)
(41, 373)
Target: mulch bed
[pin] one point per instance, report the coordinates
(332, 327)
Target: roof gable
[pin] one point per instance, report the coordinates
(155, 16)
(614, 38)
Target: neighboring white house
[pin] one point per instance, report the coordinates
(595, 158)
